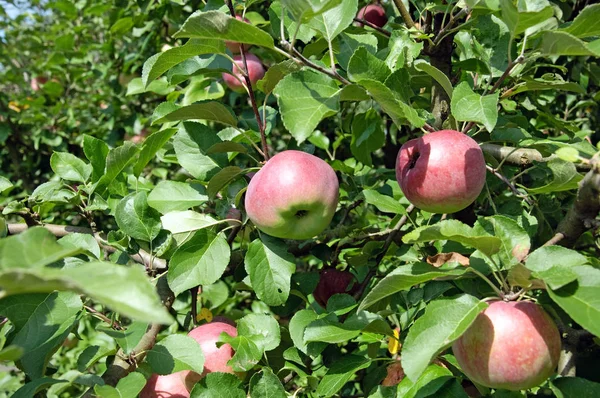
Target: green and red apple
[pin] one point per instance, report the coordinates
(235, 80)
(167, 386)
(333, 281)
(234, 46)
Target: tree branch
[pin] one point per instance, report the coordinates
(373, 26)
(521, 156)
(453, 18)
(405, 14)
(510, 185)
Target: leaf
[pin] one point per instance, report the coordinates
(270, 268)
(305, 98)
(95, 151)
(128, 386)
(136, 218)
(340, 373)
(444, 321)
(403, 49)
(247, 354)
(585, 23)
(70, 167)
(83, 242)
(266, 384)
(383, 203)
(57, 313)
(178, 222)
(218, 385)
(525, 15)
(405, 277)
(349, 43)
(574, 386)
(223, 178)
(175, 353)
(159, 63)
(367, 135)
(191, 144)
(116, 162)
(329, 331)
(205, 110)
(563, 43)
(400, 112)
(298, 324)
(468, 106)
(151, 146)
(123, 289)
(365, 66)
(304, 10)
(217, 25)
(428, 384)
(554, 265)
(199, 261)
(335, 20)
(275, 73)
(127, 339)
(565, 178)
(170, 196)
(5, 185)
(581, 299)
(550, 82)
(160, 87)
(437, 74)
(515, 240)
(458, 232)
(443, 258)
(262, 329)
(32, 388)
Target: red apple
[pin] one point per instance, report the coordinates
(37, 82)
(332, 281)
(373, 13)
(511, 345)
(215, 359)
(293, 196)
(441, 172)
(168, 386)
(234, 80)
(234, 46)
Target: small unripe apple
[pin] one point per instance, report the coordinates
(511, 345)
(215, 358)
(332, 281)
(234, 80)
(373, 13)
(234, 46)
(168, 386)
(293, 196)
(441, 172)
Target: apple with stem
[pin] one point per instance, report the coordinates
(293, 196)
(441, 172)
(373, 13)
(167, 386)
(235, 80)
(234, 46)
(510, 345)
(332, 281)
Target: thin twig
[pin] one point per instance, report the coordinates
(286, 45)
(373, 26)
(113, 324)
(405, 14)
(441, 34)
(510, 185)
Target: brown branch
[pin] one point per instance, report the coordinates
(405, 14)
(113, 324)
(302, 59)
(521, 156)
(512, 187)
(373, 26)
(453, 18)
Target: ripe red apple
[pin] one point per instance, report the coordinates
(373, 13)
(215, 359)
(441, 172)
(37, 82)
(234, 80)
(168, 386)
(332, 281)
(511, 345)
(234, 46)
(293, 196)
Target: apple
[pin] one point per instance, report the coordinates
(234, 46)
(373, 13)
(37, 82)
(511, 345)
(235, 80)
(441, 172)
(168, 386)
(215, 358)
(293, 196)
(332, 281)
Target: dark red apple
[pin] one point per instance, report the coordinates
(235, 80)
(168, 386)
(373, 13)
(37, 82)
(441, 172)
(333, 281)
(511, 345)
(234, 46)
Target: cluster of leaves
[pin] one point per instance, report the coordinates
(169, 207)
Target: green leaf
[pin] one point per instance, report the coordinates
(83, 242)
(151, 146)
(515, 240)
(444, 321)
(123, 289)
(468, 106)
(70, 167)
(136, 218)
(298, 324)
(129, 386)
(199, 261)
(127, 339)
(427, 385)
(403, 49)
(178, 222)
(95, 151)
(175, 353)
(329, 331)
(266, 384)
(340, 373)
(586, 23)
(568, 154)
(275, 73)
(5, 185)
(455, 231)
(349, 43)
(11, 353)
(217, 25)
(19, 308)
(383, 203)
(160, 87)
(116, 162)
(554, 265)
(581, 299)
(367, 135)
(437, 75)
(191, 144)
(247, 353)
(170, 196)
(270, 268)
(335, 20)
(223, 178)
(563, 43)
(565, 178)
(122, 25)
(262, 329)
(159, 63)
(57, 313)
(565, 387)
(15, 251)
(405, 277)
(365, 66)
(525, 15)
(218, 385)
(400, 112)
(32, 388)
(304, 10)
(305, 98)
(546, 82)
(206, 110)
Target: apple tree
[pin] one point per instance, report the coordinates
(317, 198)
